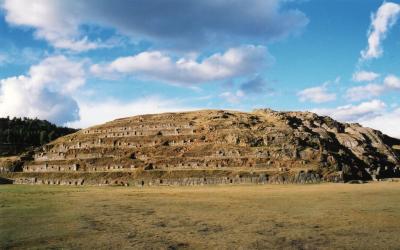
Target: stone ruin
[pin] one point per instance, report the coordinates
(283, 147)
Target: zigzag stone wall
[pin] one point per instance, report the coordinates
(300, 178)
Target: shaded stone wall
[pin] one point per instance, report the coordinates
(300, 178)
(46, 168)
(6, 181)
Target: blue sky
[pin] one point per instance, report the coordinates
(83, 63)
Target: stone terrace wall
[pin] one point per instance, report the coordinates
(300, 178)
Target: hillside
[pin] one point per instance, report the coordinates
(18, 135)
(216, 146)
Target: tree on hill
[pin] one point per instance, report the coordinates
(19, 134)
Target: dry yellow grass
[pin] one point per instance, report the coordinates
(325, 216)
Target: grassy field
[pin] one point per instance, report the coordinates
(324, 216)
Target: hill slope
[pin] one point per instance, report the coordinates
(217, 142)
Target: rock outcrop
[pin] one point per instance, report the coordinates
(268, 146)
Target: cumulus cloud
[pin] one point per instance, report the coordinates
(233, 96)
(355, 113)
(55, 21)
(175, 23)
(44, 92)
(365, 92)
(392, 82)
(372, 90)
(381, 22)
(156, 65)
(57, 74)
(373, 114)
(364, 76)
(319, 94)
(16, 56)
(387, 122)
(93, 113)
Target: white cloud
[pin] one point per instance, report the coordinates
(365, 92)
(355, 113)
(66, 43)
(372, 90)
(44, 92)
(17, 56)
(54, 21)
(93, 113)
(381, 22)
(58, 74)
(156, 65)
(233, 97)
(392, 82)
(174, 23)
(364, 76)
(387, 122)
(317, 94)
(373, 114)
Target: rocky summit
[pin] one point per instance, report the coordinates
(212, 147)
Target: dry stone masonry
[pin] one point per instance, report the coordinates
(262, 146)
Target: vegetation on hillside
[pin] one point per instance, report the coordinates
(19, 134)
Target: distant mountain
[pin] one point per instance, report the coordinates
(20, 134)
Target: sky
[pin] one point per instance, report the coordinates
(81, 63)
